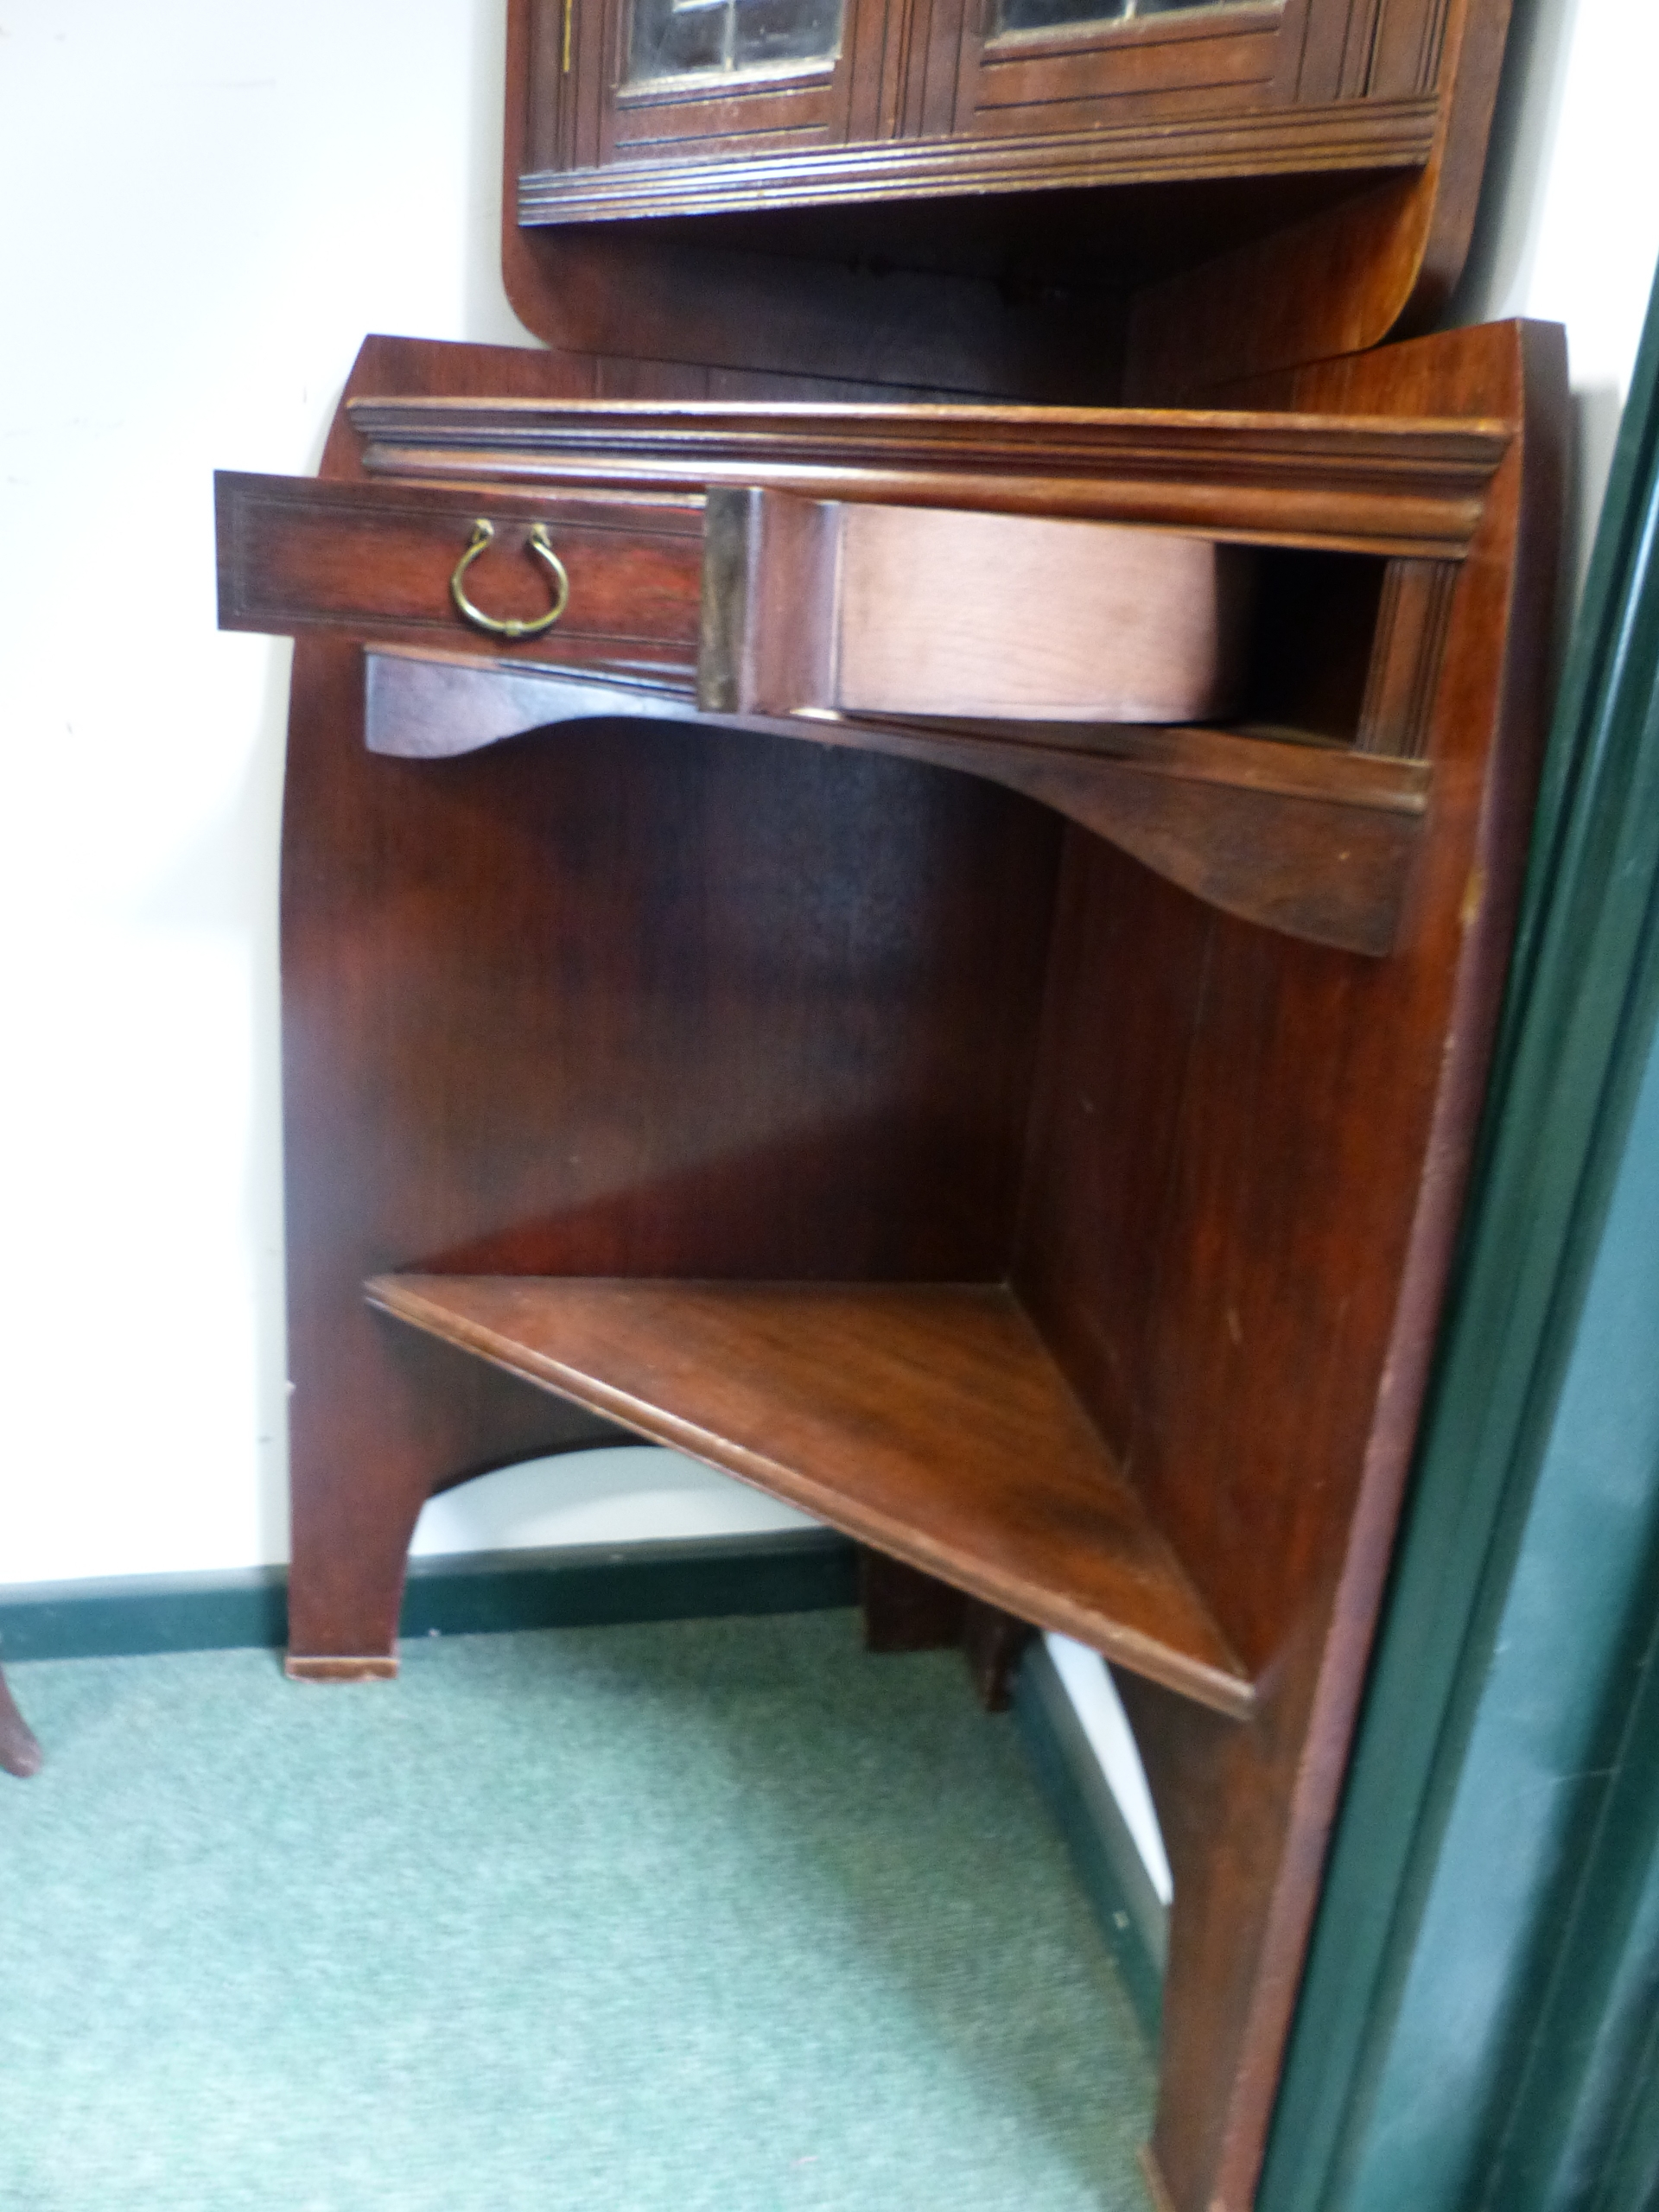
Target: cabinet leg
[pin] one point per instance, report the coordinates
(994, 1643)
(381, 1419)
(388, 1161)
(907, 1610)
(1152, 2174)
(904, 1609)
(1227, 1798)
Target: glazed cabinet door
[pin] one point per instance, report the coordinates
(622, 81)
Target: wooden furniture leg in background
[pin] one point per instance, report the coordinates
(907, 1610)
(19, 1752)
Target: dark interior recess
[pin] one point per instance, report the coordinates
(1312, 630)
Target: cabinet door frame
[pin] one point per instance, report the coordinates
(589, 118)
(1220, 60)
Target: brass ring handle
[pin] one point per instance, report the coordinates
(541, 546)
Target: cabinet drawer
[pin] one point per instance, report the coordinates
(380, 560)
(818, 605)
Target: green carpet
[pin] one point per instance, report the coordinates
(709, 1917)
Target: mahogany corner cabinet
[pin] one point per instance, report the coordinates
(918, 932)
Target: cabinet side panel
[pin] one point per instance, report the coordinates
(379, 1419)
(1323, 1125)
(1125, 986)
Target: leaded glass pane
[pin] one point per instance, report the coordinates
(1050, 14)
(691, 38)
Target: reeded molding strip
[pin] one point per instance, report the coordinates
(1396, 485)
(1350, 135)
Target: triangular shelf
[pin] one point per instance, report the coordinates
(928, 1420)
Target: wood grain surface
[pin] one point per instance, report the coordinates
(927, 1419)
(1288, 1208)
(1317, 841)
(1408, 487)
(294, 554)
(916, 611)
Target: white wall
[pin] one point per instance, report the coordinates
(1568, 228)
(206, 207)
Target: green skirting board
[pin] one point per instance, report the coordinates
(575, 1586)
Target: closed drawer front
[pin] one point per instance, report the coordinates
(378, 560)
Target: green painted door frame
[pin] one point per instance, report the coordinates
(1478, 2030)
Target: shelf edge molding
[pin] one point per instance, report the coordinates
(1391, 134)
(927, 1419)
(1316, 842)
(1402, 487)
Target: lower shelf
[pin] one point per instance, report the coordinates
(927, 1419)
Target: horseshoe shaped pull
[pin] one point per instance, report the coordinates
(541, 546)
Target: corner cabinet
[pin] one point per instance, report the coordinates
(929, 940)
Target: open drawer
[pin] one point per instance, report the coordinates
(615, 577)
(1218, 640)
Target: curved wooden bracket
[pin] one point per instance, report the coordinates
(1317, 841)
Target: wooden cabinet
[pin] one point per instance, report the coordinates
(1032, 1145)
(767, 968)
